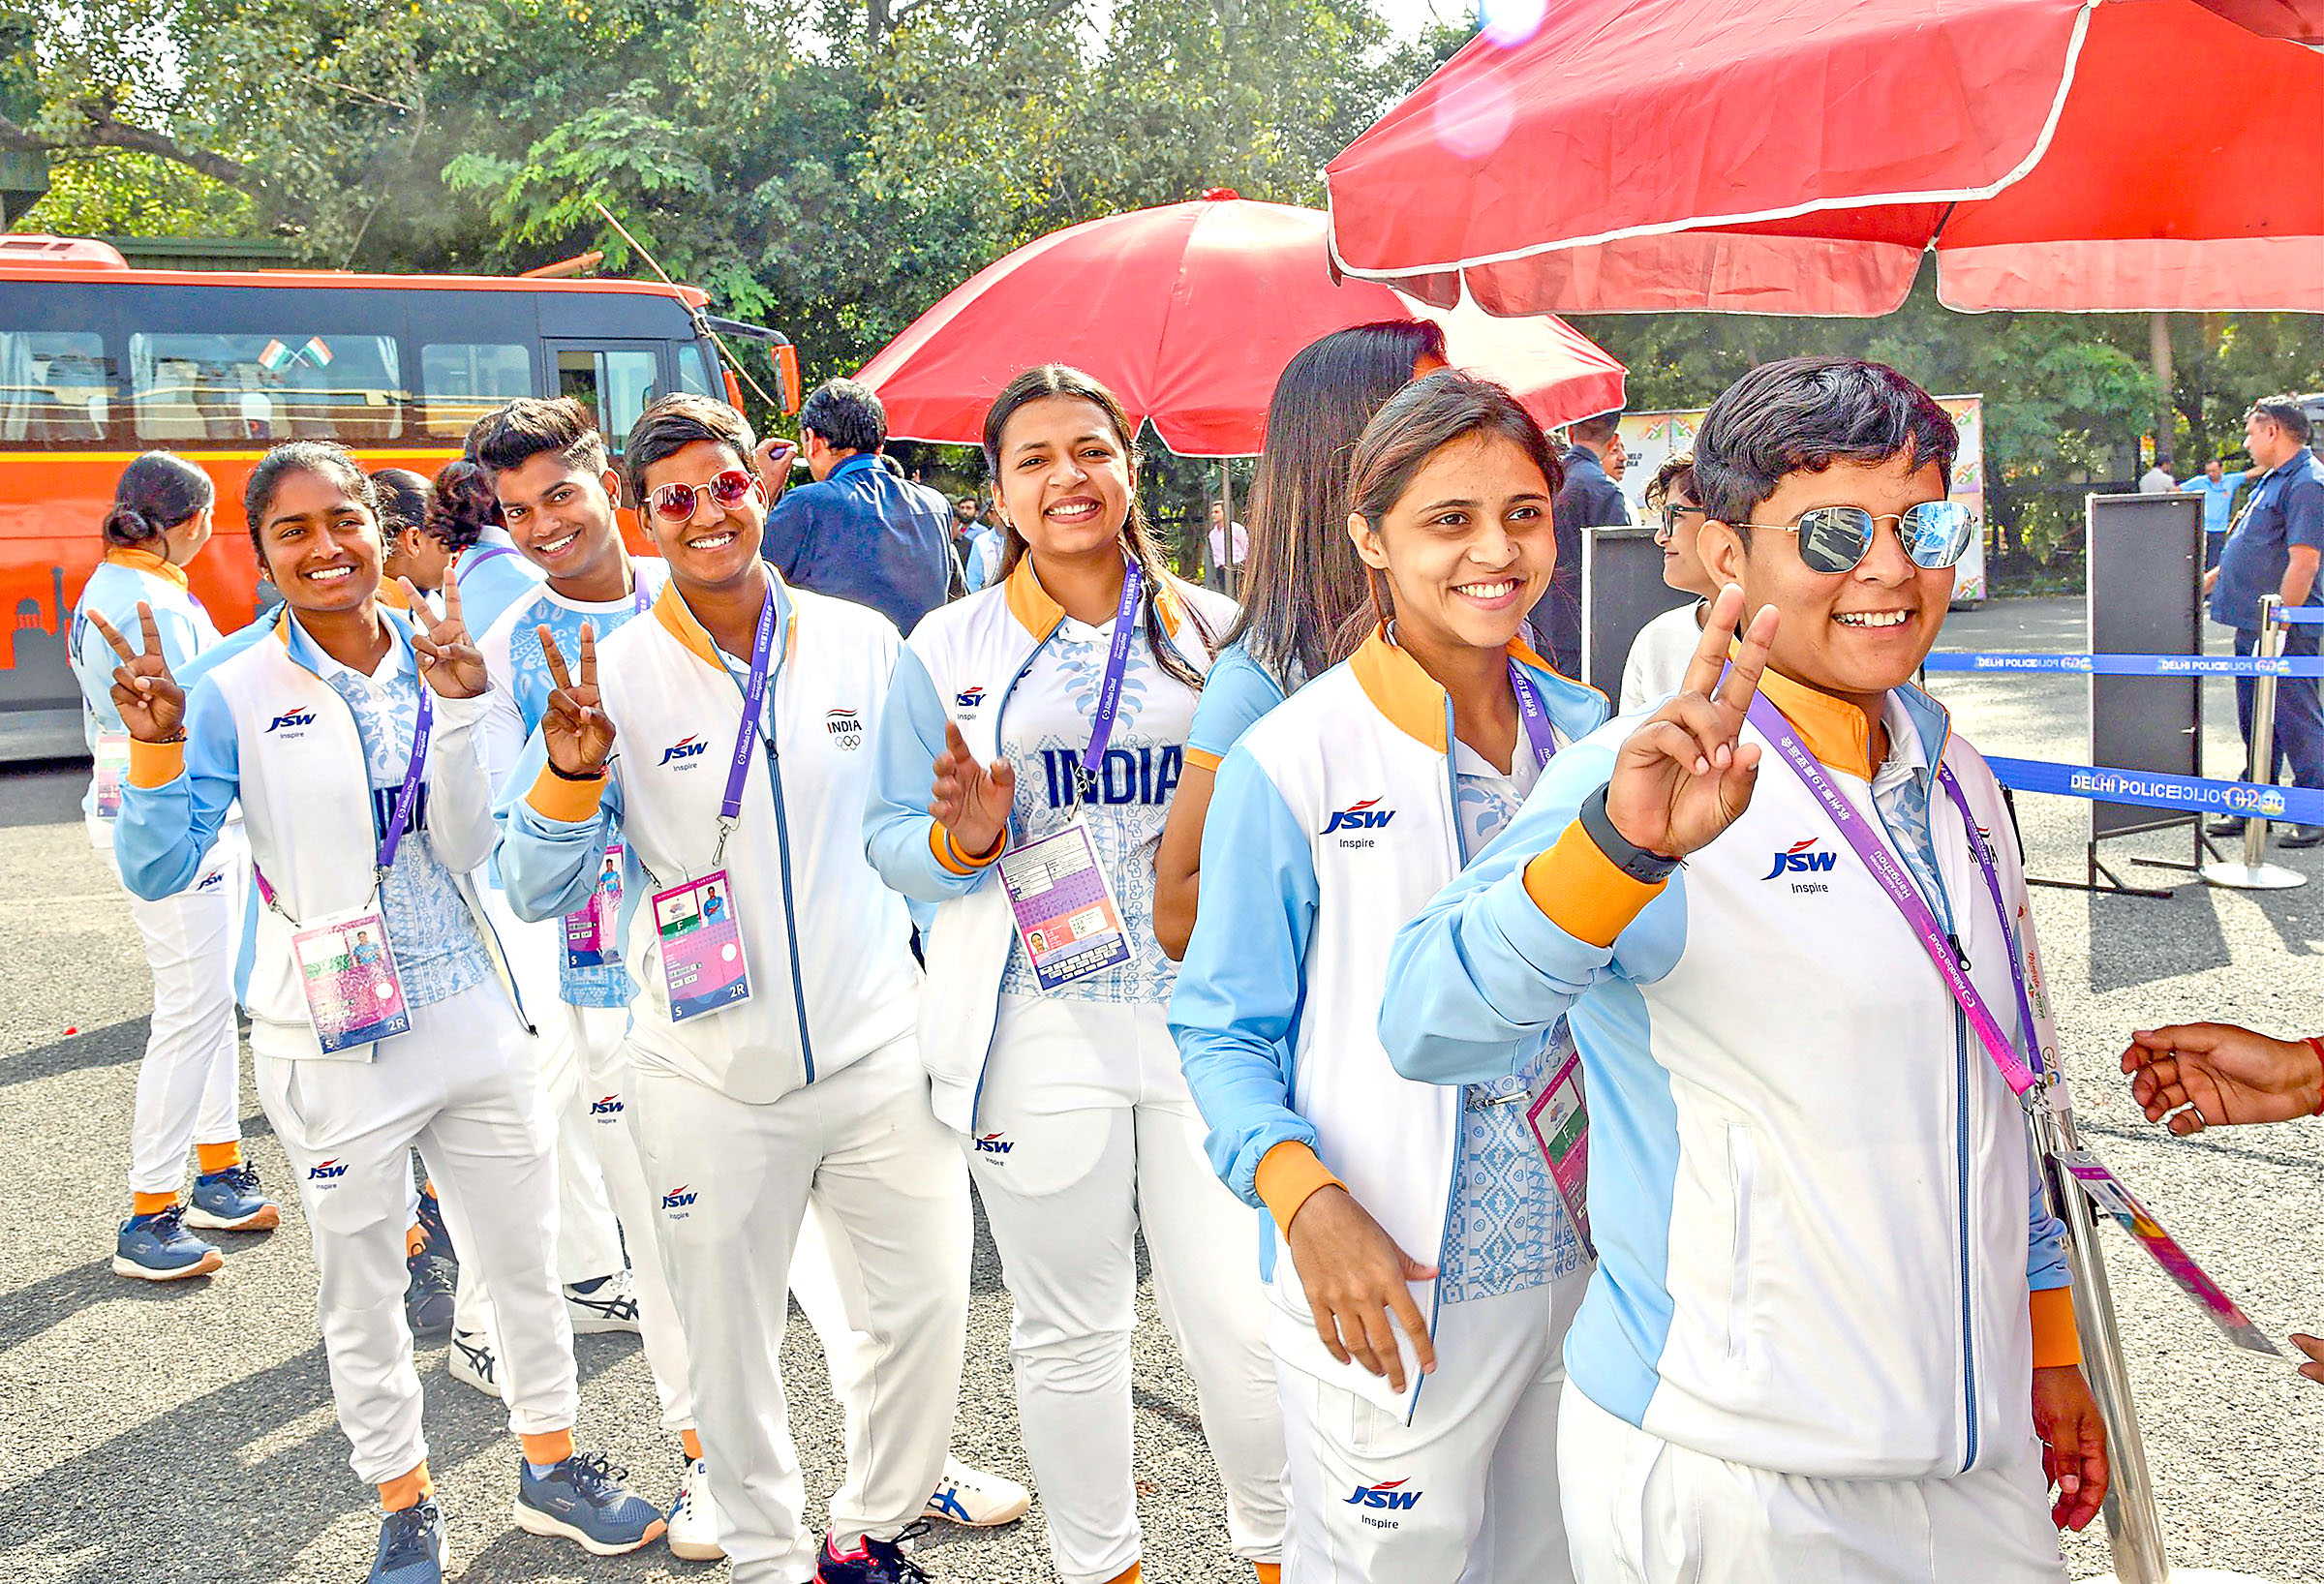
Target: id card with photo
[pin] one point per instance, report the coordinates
(1561, 1127)
(2109, 1194)
(354, 995)
(702, 967)
(591, 930)
(1065, 910)
(113, 769)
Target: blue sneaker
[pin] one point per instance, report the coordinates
(583, 1498)
(429, 1298)
(229, 1200)
(413, 1547)
(158, 1248)
(871, 1562)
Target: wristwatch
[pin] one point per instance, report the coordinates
(1647, 867)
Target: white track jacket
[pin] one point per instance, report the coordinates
(1817, 1227)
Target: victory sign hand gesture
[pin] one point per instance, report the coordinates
(1684, 776)
(447, 662)
(971, 800)
(576, 728)
(151, 703)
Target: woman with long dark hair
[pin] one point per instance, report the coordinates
(188, 1086)
(1033, 735)
(1305, 606)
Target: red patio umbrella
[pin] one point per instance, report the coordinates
(1799, 156)
(1189, 313)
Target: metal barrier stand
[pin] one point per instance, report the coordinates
(2253, 872)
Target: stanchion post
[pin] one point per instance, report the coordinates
(2254, 872)
(2133, 1524)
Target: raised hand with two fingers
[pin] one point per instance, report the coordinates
(448, 662)
(1684, 776)
(151, 703)
(968, 799)
(576, 728)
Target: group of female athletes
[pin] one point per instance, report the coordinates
(1146, 1001)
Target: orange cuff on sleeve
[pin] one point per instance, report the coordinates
(156, 764)
(1201, 759)
(2056, 1342)
(1289, 1176)
(954, 857)
(553, 797)
(1579, 889)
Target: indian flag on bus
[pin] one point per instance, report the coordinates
(274, 356)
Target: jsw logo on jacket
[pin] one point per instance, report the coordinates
(1343, 814)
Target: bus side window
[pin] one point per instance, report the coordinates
(694, 375)
(243, 388)
(55, 387)
(462, 380)
(618, 385)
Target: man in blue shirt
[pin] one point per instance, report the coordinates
(2273, 548)
(2217, 487)
(1588, 499)
(859, 532)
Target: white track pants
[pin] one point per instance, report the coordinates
(1643, 1510)
(733, 1181)
(1086, 1137)
(462, 1085)
(188, 1089)
(1473, 1476)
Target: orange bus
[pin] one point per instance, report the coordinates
(99, 362)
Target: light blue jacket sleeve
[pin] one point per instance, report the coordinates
(93, 659)
(1235, 694)
(895, 820)
(549, 867)
(1482, 973)
(164, 832)
(1244, 980)
(2045, 1251)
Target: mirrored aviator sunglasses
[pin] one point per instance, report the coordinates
(1837, 539)
(676, 502)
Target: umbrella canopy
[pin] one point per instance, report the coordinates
(1189, 313)
(1799, 156)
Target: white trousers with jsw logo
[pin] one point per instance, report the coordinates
(188, 1085)
(733, 1183)
(464, 1086)
(1467, 1491)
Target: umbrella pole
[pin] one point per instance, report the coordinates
(1228, 572)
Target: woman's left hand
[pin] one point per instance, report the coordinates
(2073, 1443)
(452, 665)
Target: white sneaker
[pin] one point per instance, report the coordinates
(976, 1499)
(470, 1359)
(608, 1303)
(694, 1532)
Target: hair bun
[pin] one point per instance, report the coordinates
(126, 525)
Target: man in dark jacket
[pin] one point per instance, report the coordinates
(860, 532)
(1588, 500)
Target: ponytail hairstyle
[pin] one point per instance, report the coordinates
(324, 458)
(461, 505)
(1138, 544)
(157, 492)
(1303, 585)
(1420, 420)
(403, 500)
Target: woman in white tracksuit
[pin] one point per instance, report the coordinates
(351, 739)
(188, 1085)
(1418, 1228)
(1054, 704)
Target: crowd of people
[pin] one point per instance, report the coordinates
(759, 896)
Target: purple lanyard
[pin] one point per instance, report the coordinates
(754, 697)
(1534, 714)
(1884, 869)
(480, 554)
(1118, 660)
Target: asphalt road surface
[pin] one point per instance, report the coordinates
(185, 1432)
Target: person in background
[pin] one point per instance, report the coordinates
(859, 532)
(492, 575)
(1228, 551)
(964, 529)
(2274, 548)
(1659, 656)
(1617, 462)
(2217, 487)
(410, 553)
(1589, 500)
(1304, 600)
(188, 1093)
(2191, 1077)
(981, 552)
(2157, 479)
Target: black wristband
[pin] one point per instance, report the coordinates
(597, 775)
(1647, 867)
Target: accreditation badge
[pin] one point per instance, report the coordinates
(1067, 917)
(354, 994)
(702, 966)
(591, 930)
(1561, 1126)
(2109, 1194)
(113, 769)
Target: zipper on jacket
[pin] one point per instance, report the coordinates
(1001, 710)
(790, 914)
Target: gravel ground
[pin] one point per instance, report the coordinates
(186, 1434)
